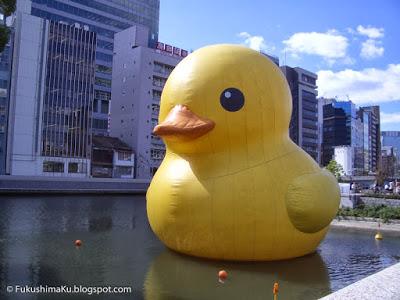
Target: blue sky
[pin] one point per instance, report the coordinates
(353, 46)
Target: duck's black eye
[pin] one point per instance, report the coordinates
(232, 99)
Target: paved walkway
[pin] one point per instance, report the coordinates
(366, 225)
(384, 285)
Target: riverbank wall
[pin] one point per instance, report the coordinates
(32, 185)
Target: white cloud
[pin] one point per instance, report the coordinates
(365, 86)
(255, 42)
(371, 49)
(371, 32)
(330, 45)
(389, 118)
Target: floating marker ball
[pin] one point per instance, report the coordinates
(222, 275)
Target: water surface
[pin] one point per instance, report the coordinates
(37, 235)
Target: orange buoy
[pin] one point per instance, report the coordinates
(222, 275)
(275, 290)
(78, 243)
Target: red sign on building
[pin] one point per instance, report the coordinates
(184, 53)
(177, 51)
(168, 48)
(160, 46)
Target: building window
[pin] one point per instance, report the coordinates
(156, 95)
(53, 167)
(123, 155)
(157, 154)
(121, 172)
(95, 105)
(75, 167)
(155, 108)
(159, 81)
(104, 107)
(100, 124)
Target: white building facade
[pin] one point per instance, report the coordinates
(51, 98)
(139, 75)
(344, 157)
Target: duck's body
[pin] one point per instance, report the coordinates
(257, 199)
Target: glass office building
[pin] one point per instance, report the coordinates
(374, 130)
(392, 139)
(69, 92)
(105, 17)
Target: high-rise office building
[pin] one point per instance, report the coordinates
(374, 131)
(364, 117)
(105, 17)
(392, 139)
(139, 75)
(388, 164)
(335, 132)
(304, 122)
(51, 98)
(343, 127)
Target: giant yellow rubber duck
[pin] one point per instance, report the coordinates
(233, 185)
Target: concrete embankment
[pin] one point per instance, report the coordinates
(382, 285)
(28, 184)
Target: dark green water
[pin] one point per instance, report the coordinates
(37, 237)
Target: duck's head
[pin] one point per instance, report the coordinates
(221, 97)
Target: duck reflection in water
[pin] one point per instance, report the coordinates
(176, 276)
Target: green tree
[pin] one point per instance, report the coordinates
(335, 168)
(7, 7)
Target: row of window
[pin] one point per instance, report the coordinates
(103, 82)
(104, 57)
(103, 69)
(127, 15)
(83, 13)
(162, 68)
(58, 167)
(52, 16)
(101, 95)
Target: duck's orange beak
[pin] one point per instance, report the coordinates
(182, 123)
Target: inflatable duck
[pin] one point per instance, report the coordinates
(233, 185)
